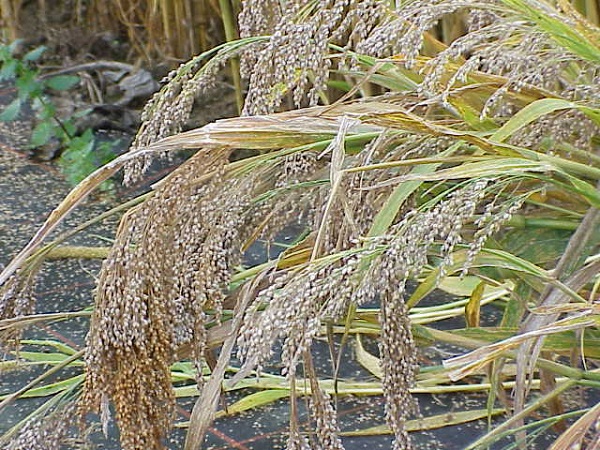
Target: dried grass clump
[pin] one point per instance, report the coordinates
(158, 30)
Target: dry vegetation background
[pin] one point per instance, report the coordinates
(156, 31)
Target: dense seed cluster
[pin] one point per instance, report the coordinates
(296, 168)
(404, 256)
(259, 17)
(498, 43)
(49, 433)
(295, 306)
(168, 110)
(325, 418)
(288, 204)
(170, 264)
(297, 441)
(403, 30)
(399, 364)
(16, 300)
(554, 129)
(496, 213)
(295, 57)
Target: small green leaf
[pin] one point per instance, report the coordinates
(62, 82)
(11, 111)
(28, 85)
(69, 128)
(47, 111)
(34, 54)
(9, 69)
(13, 45)
(81, 113)
(339, 84)
(42, 133)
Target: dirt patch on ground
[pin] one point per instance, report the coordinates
(64, 27)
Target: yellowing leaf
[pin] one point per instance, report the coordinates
(368, 361)
(473, 306)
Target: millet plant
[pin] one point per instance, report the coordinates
(411, 162)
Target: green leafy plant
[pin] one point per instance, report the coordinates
(81, 155)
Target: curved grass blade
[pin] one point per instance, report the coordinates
(13, 396)
(538, 109)
(51, 389)
(429, 423)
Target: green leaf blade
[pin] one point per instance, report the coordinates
(42, 133)
(11, 112)
(62, 82)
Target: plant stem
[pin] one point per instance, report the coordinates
(231, 34)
